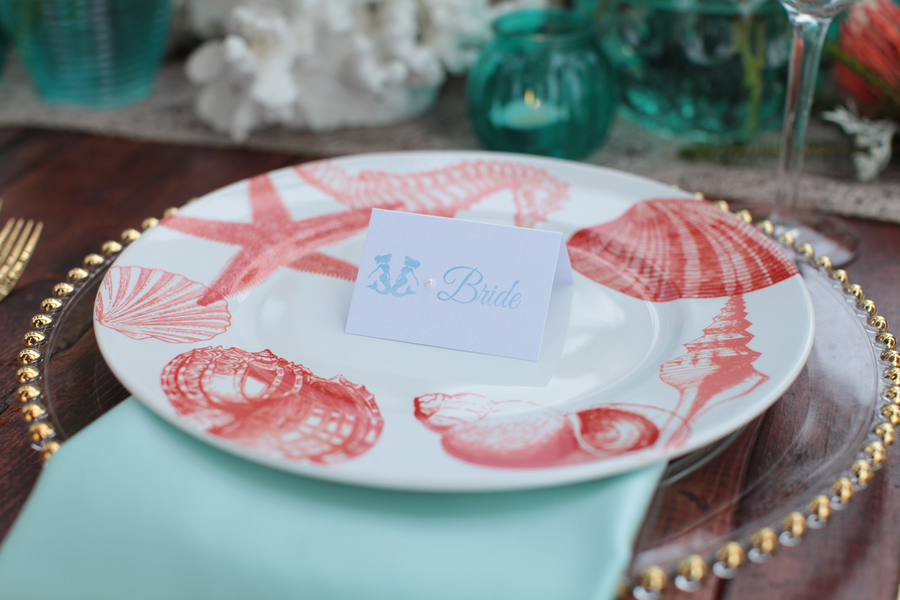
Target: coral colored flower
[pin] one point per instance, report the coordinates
(868, 57)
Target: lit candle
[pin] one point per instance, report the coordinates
(528, 113)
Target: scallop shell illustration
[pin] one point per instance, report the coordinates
(665, 249)
(507, 434)
(271, 405)
(717, 367)
(151, 303)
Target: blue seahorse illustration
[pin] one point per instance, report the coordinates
(409, 267)
(384, 265)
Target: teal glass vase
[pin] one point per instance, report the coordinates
(707, 70)
(542, 86)
(94, 53)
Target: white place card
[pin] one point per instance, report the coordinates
(457, 284)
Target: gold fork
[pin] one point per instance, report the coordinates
(17, 241)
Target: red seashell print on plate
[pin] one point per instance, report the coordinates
(517, 434)
(271, 405)
(446, 191)
(717, 368)
(151, 303)
(664, 249)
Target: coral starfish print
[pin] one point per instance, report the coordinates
(273, 240)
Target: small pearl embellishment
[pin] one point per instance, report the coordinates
(429, 283)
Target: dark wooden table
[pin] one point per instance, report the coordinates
(86, 189)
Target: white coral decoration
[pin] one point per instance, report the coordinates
(872, 137)
(325, 64)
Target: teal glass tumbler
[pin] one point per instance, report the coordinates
(542, 86)
(94, 53)
(707, 70)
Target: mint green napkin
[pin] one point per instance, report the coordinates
(133, 508)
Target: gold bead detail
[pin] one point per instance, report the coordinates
(50, 305)
(843, 489)
(820, 507)
(887, 339)
(806, 250)
(875, 452)
(27, 393)
(891, 357)
(892, 393)
(170, 211)
(61, 290)
(48, 449)
(129, 235)
(891, 412)
(893, 374)
(841, 275)
(699, 196)
(722, 204)
(870, 308)
(862, 471)
(622, 589)
(149, 222)
(857, 292)
(825, 263)
(41, 321)
(29, 356)
(77, 274)
(653, 579)
(32, 411)
(40, 431)
(744, 215)
(111, 247)
(731, 555)
(26, 374)
(886, 432)
(880, 323)
(787, 238)
(92, 261)
(693, 568)
(765, 540)
(795, 524)
(766, 227)
(33, 339)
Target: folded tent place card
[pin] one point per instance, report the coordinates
(457, 284)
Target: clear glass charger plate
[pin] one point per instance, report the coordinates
(821, 432)
(727, 491)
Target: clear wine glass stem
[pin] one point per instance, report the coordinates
(808, 37)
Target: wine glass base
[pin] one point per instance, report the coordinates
(828, 234)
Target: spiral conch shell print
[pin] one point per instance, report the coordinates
(717, 367)
(271, 405)
(516, 434)
(662, 250)
(151, 303)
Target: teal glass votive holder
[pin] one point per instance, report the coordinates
(2, 51)
(707, 70)
(94, 53)
(542, 86)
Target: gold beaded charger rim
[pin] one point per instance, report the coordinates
(689, 572)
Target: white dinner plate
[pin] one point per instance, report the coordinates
(683, 324)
